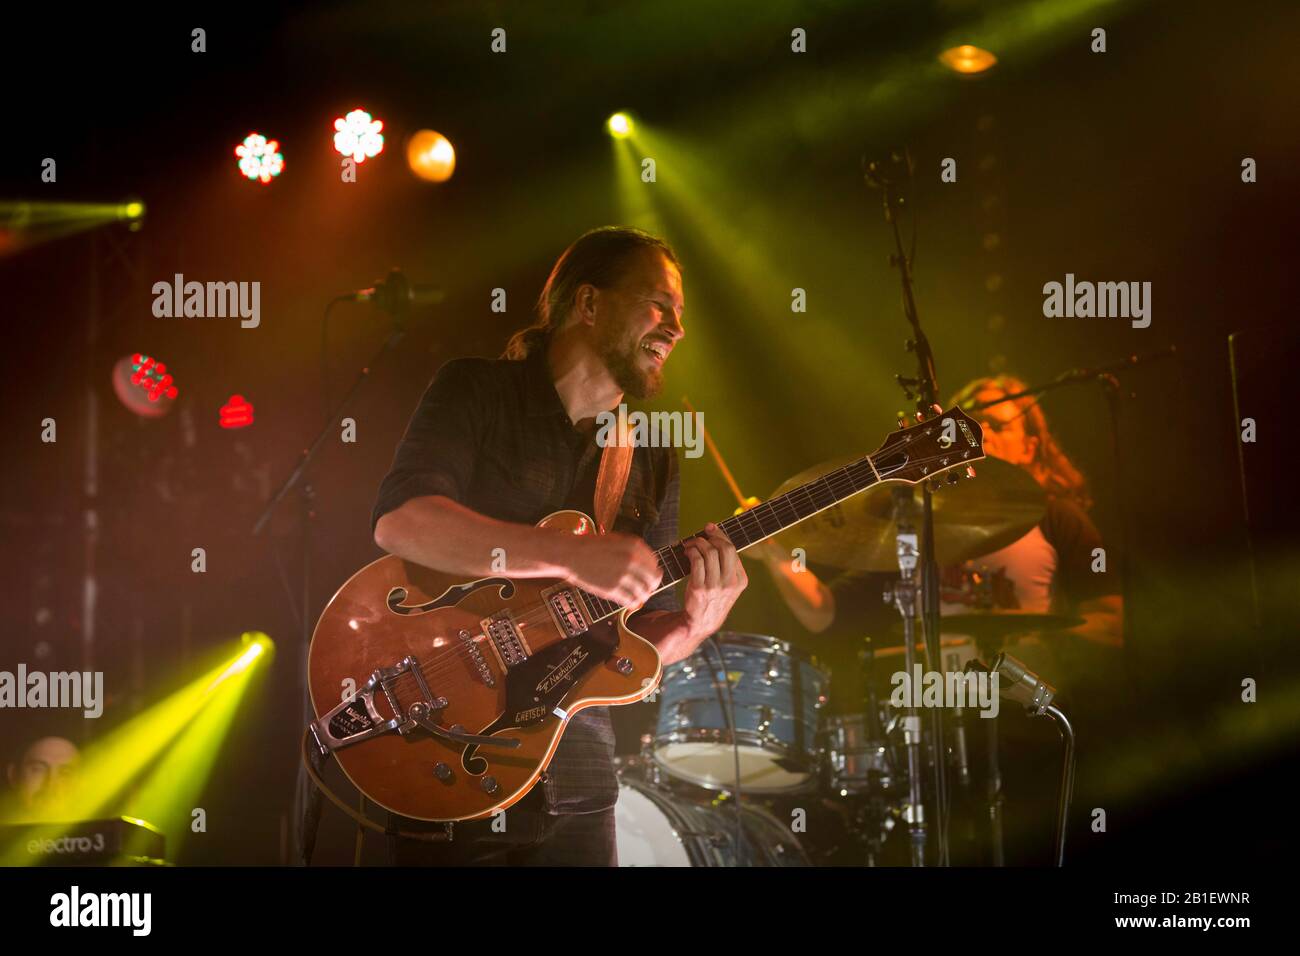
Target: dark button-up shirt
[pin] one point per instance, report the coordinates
(494, 436)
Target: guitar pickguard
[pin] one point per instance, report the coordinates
(536, 687)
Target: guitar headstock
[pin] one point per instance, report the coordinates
(946, 442)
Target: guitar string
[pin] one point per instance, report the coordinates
(461, 656)
(538, 614)
(750, 522)
(456, 658)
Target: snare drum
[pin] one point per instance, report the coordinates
(776, 691)
(858, 761)
(656, 828)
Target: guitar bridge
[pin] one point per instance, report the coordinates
(357, 718)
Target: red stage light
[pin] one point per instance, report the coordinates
(144, 385)
(236, 413)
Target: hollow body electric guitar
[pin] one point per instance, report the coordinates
(446, 699)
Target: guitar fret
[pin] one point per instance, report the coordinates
(681, 571)
(760, 522)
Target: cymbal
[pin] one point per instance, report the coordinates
(895, 650)
(971, 518)
(998, 624)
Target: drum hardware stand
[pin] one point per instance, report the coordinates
(904, 598)
(961, 755)
(649, 770)
(924, 389)
(873, 818)
(994, 798)
(867, 665)
(729, 709)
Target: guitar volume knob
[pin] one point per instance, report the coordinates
(624, 666)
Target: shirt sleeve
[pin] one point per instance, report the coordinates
(437, 454)
(1071, 532)
(664, 533)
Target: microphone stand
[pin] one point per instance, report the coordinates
(904, 596)
(926, 394)
(1018, 684)
(307, 798)
(1067, 780)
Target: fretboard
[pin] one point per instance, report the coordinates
(760, 522)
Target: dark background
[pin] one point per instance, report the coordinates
(1122, 166)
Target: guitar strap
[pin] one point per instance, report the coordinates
(611, 479)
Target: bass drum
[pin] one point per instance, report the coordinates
(658, 828)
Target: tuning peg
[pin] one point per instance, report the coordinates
(936, 408)
(953, 477)
(902, 420)
(970, 471)
(920, 417)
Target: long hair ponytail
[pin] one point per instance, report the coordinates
(597, 258)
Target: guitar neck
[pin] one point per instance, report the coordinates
(762, 521)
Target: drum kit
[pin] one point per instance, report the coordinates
(744, 749)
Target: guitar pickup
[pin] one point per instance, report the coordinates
(506, 639)
(567, 611)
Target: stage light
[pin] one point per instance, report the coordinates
(177, 781)
(358, 135)
(24, 223)
(968, 59)
(431, 156)
(151, 375)
(619, 125)
(236, 413)
(257, 644)
(144, 385)
(155, 765)
(260, 158)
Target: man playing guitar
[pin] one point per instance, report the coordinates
(496, 445)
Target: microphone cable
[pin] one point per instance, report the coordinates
(729, 711)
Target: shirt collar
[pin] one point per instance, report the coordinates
(539, 390)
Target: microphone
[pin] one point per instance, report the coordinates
(1018, 683)
(396, 294)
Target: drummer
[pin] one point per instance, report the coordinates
(1050, 569)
